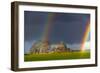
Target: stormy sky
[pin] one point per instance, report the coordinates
(66, 27)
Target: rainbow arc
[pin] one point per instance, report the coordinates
(85, 36)
(47, 27)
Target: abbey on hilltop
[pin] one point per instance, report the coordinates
(46, 47)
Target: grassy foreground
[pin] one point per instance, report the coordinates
(56, 56)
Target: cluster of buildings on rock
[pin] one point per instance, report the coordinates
(46, 47)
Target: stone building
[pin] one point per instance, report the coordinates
(61, 47)
(46, 47)
(40, 47)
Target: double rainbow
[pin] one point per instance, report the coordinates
(48, 25)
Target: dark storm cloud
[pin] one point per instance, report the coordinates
(33, 24)
(68, 27)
